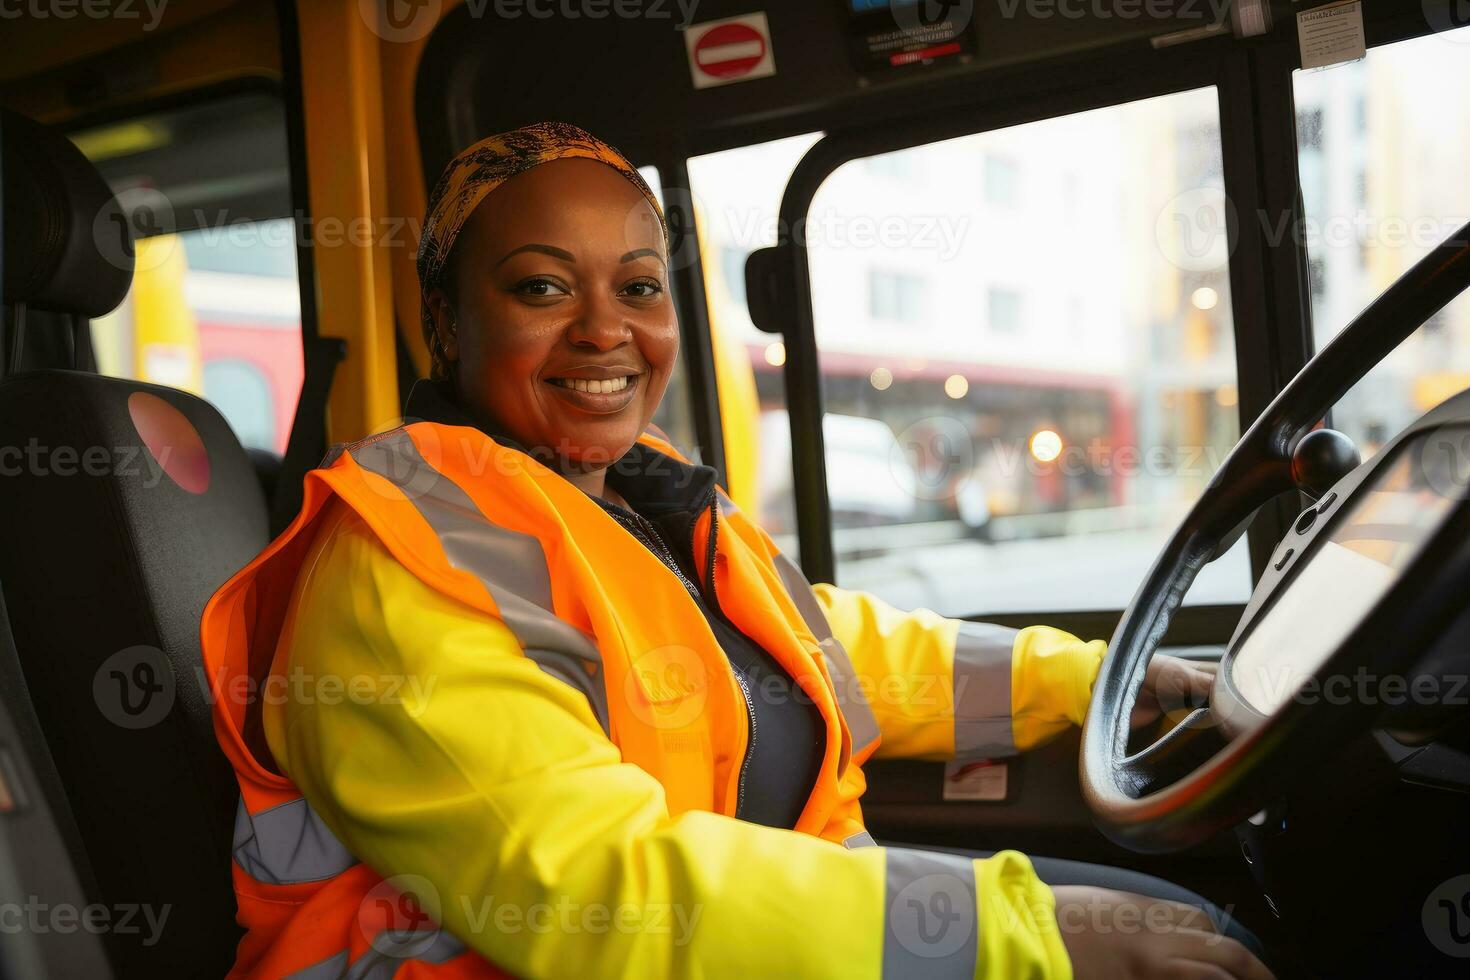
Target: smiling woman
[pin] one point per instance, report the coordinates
(565, 345)
(629, 698)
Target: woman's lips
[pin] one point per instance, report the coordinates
(599, 396)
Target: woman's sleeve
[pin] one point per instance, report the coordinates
(945, 688)
(462, 761)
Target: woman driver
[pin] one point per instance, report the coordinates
(524, 659)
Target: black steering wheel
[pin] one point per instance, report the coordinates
(1192, 783)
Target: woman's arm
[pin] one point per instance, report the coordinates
(462, 761)
(942, 688)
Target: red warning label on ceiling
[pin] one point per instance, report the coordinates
(735, 49)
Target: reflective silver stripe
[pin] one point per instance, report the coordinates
(573, 671)
(931, 930)
(511, 565)
(982, 691)
(381, 961)
(288, 844)
(862, 726)
(334, 967)
(860, 839)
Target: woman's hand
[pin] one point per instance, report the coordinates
(1170, 685)
(1113, 935)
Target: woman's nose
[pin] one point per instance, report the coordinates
(601, 325)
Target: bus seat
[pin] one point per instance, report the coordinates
(123, 506)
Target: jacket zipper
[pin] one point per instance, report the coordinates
(712, 503)
(643, 529)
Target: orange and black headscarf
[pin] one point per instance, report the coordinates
(479, 170)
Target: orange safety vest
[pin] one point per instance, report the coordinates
(489, 526)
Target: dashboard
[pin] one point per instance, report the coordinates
(1341, 561)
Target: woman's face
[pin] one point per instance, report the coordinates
(560, 330)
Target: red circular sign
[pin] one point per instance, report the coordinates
(729, 50)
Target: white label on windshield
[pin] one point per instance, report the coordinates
(1331, 35)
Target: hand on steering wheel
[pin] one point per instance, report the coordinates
(1172, 685)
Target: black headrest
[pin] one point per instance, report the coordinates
(67, 244)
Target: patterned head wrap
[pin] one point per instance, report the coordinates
(481, 168)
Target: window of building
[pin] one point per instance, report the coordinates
(1004, 309)
(895, 296)
(1002, 179)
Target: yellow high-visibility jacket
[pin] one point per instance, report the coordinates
(551, 856)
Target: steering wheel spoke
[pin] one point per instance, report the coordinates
(1174, 755)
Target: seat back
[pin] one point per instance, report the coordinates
(123, 506)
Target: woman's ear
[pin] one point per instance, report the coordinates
(446, 327)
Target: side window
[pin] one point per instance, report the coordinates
(1381, 185)
(675, 416)
(737, 200)
(215, 304)
(1027, 359)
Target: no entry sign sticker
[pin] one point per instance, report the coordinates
(735, 49)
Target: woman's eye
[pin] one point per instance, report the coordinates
(537, 286)
(643, 288)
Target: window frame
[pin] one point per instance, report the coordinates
(1261, 339)
(1270, 290)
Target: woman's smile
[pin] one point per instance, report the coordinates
(598, 395)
